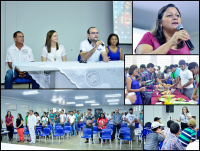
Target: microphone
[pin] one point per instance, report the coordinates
(102, 43)
(188, 42)
(96, 41)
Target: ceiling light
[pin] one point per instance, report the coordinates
(70, 103)
(113, 103)
(113, 100)
(90, 101)
(79, 104)
(59, 90)
(112, 95)
(94, 104)
(30, 92)
(81, 97)
(58, 99)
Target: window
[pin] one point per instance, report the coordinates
(24, 108)
(163, 61)
(38, 109)
(54, 110)
(129, 60)
(136, 108)
(11, 107)
(139, 108)
(143, 60)
(46, 109)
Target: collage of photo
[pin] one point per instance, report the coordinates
(123, 78)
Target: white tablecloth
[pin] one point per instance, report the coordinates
(83, 75)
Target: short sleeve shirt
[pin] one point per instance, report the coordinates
(58, 54)
(44, 120)
(86, 46)
(37, 119)
(72, 118)
(18, 121)
(96, 117)
(184, 118)
(52, 116)
(89, 118)
(131, 118)
(9, 119)
(76, 115)
(13, 54)
(185, 76)
(177, 72)
(62, 116)
(186, 136)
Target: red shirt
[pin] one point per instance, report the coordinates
(101, 122)
(8, 120)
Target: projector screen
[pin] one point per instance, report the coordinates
(122, 21)
(137, 36)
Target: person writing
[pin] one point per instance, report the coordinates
(112, 50)
(18, 52)
(52, 51)
(92, 48)
(164, 38)
(184, 118)
(133, 84)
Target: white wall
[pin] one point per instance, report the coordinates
(195, 42)
(150, 112)
(70, 19)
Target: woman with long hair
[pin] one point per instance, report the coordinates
(52, 51)
(9, 119)
(185, 116)
(102, 122)
(20, 128)
(164, 38)
(113, 51)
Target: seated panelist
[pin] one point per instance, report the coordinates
(92, 48)
(18, 52)
(52, 51)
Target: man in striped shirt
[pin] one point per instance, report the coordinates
(188, 134)
(172, 142)
(147, 77)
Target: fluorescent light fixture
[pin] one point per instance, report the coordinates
(112, 95)
(59, 90)
(70, 103)
(113, 103)
(58, 99)
(93, 101)
(113, 100)
(94, 104)
(81, 97)
(30, 92)
(79, 104)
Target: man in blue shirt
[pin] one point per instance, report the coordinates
(76, 122)
(117, 119)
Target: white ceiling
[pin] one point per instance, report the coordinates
(46, 96)
(145, 12)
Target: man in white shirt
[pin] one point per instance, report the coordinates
(32, 126)
(108, 117)
(92, 48)
(124, 118)
(186, 80)
(130, 119)
(18, 52)
(72, 119)
(62, 119)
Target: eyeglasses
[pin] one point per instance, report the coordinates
(93, 33)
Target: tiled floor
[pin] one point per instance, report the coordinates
(73, 143)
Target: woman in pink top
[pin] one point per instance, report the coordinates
(164, 38)
(9, 119)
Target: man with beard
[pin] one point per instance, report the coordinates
(92, 48)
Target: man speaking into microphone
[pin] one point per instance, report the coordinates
(166, 37)
(92, 48)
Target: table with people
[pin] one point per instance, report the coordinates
(96, 66)
(178, 84)
(75, 123)
(172, 137)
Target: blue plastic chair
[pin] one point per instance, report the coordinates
(23, 81)
(127, 137)
(46, 132)
(67, 130)
(160, 145)
(197, 134)
(79, 57)
(38, 130)
(136, 125)
(141, 136)
(26, 131)
(15, 132)
(124, 125)
(87, 133)
(106, 134)
(58, 133)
